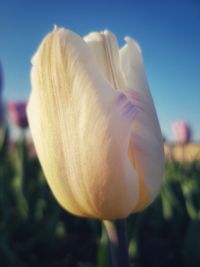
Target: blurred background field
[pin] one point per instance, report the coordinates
(35, 231)
(187, 153)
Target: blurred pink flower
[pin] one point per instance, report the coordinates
(182, 132)
(17, 113)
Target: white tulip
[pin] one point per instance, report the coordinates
(94, 124)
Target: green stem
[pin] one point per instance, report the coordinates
(116, 231)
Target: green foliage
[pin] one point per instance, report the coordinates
(168, 232)
(35, 231)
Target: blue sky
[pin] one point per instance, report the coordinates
(167, 31)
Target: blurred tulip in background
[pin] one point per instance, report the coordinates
(182, 132)
(17, 113)
(1, 100)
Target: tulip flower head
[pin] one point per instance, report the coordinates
(182, 132)
(94, 124)
(17, 112)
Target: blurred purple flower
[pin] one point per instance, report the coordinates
(1, 79)
(182, 132)
(1, 101)
(17, 113)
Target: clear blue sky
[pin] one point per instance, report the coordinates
(167, 31)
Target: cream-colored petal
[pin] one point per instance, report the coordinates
(105, 47)
(132, 66)
(146, 146)
(81, 128)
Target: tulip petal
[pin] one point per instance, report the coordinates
(81, 128)
(132, 65)
(105, 47)
(146, 147)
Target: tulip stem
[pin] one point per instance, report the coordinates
(116, 231)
